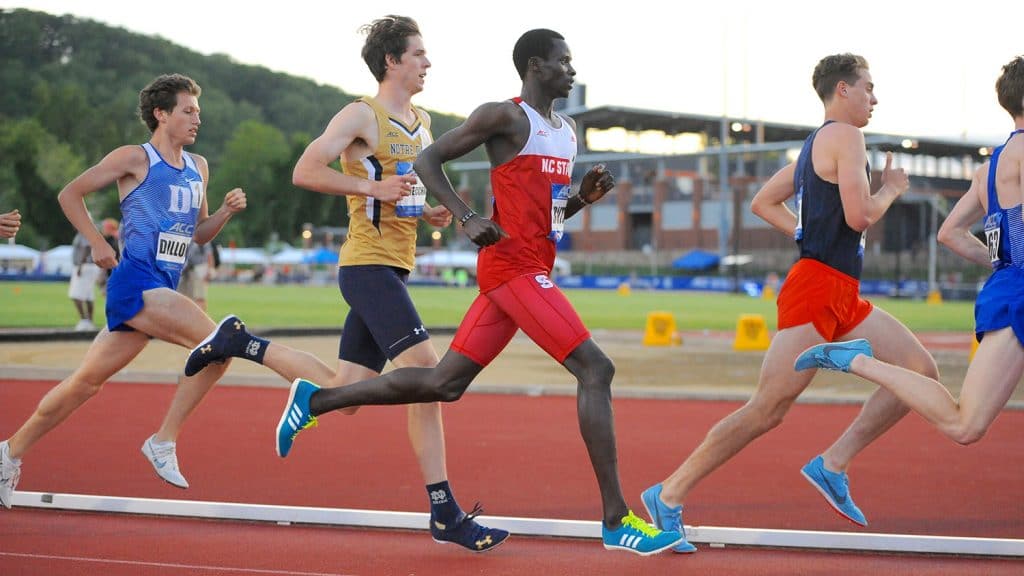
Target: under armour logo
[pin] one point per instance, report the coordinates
(485, 542)
(253, 348)
(238, 325)
(419, 330)
(206, 349)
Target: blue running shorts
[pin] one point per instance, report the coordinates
(124, 291)
(1001, 303)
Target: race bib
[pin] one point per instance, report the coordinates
(559, 199)
(411, 206)
(171, 249)
(993, 235)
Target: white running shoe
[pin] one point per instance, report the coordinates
(10, 472)
(164, 460)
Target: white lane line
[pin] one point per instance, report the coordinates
(168, 565)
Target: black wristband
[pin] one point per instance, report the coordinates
(465, 218)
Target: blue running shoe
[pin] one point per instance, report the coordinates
(296, 416)
(833, 355)
(665, 518)
(216, 347)
(835, 487)
(466, 532)
(638, 537)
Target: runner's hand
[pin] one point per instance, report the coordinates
(438, 216)
(393, 188)
(894, 178)
(104, 256)
(483, 232)
(596, 183)
(234, 201)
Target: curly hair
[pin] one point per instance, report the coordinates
(387, 36)
(162, 94)
(835, 68)
(1010, 87)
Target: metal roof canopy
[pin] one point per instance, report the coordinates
(777, 135)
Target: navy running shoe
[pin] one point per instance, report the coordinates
(665, 518)
(216, 348)
(467, 532)
(835, 487)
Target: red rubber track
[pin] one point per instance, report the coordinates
(521, 456)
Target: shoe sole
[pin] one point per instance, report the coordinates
(149, 457)
(207, 341)
(284, 418)
(649, 553)
(470, 549)
(828, 499)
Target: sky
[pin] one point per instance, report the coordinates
(934, 63)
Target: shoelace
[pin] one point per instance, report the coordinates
(672, 519)
(313, 423)
(632, 521)
(476, 511)
(478, 530)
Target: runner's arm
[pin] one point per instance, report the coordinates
(313, 170)
(769, 203)
(122, 162)
(955, 231)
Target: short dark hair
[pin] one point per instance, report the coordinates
(537, 43)
(1010, 87)
(835, 68)
(162, 94)
(384, 36)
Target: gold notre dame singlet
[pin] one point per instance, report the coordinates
(384, 233)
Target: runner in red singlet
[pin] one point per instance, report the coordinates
(532, 150)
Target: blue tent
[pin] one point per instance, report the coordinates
(696, 260)
(320, 256)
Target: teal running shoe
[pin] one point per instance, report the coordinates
(835, 487)
(296, 416)
(665, 518)
(638, 537)
(833, 355)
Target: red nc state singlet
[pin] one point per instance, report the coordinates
(530, 195)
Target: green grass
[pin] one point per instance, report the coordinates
(46, 304)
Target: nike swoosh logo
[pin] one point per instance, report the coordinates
(835, 495)
(160, 464)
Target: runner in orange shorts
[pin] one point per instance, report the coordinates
(820, 299)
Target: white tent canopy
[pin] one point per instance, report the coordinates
(57, 260)
(243, 256)
(15, 257)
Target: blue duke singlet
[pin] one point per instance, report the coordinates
(821, 230)
(1004, 228)
(1000, 303)
(158, 219)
